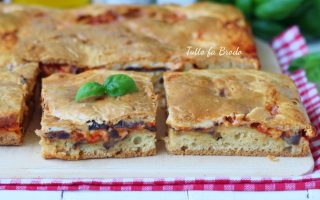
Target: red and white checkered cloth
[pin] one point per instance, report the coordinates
(287, 46)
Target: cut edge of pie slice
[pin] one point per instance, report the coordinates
(17, 86)
(235, 112)
(119, 127)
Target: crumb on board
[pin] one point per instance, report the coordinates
(273, 158)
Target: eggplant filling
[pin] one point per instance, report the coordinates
(291, 139)
(48, 69)
(101, 132)
(93, 125)
(140, 69)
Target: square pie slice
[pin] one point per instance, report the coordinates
(106, 127)
(135, 38)
(16, 21)
(17, 83)
(235, 112)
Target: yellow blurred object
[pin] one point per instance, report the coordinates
(55, 3)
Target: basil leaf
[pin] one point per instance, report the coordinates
(310, 63)
(90, 89)
(119, 85)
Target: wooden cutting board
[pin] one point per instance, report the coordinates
(26, 162)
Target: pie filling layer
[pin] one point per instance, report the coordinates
(137, 143)
(237, 140)
(109, 135)
(290, 137)
(48, 69)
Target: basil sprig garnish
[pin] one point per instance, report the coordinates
(90, 89)
(115, 85)
(119, 84)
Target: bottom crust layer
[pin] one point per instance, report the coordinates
(134, 145)
(232, 142)
(10, 138)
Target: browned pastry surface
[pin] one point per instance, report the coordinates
(267, 102)
(15, 23)
(103, 14)
(59, 90)
(147, 37)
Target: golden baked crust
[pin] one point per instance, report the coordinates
(83, 46)
(14, 19)
(203, 99)
(102, 14)
(222, 12)
(202, 34)
(16, 87)
(137, 37)
(58, 93)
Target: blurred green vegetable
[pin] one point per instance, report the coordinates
(266, 29)
(245, 6)
(309, 23)
(276, 9)
(311, 64)
(270, 17)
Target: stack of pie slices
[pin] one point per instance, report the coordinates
(217, 104)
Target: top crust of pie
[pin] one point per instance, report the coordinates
(202, 99)
(167, 12)
(59, 90)
(118, 37)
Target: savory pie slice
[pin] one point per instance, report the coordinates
(209, 26)
(235, 112)
(131, 38)
(17, 84)
(106, 127)
(137, 39)
(16, 21)
(82, 47)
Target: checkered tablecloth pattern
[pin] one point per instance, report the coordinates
(287, 46)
